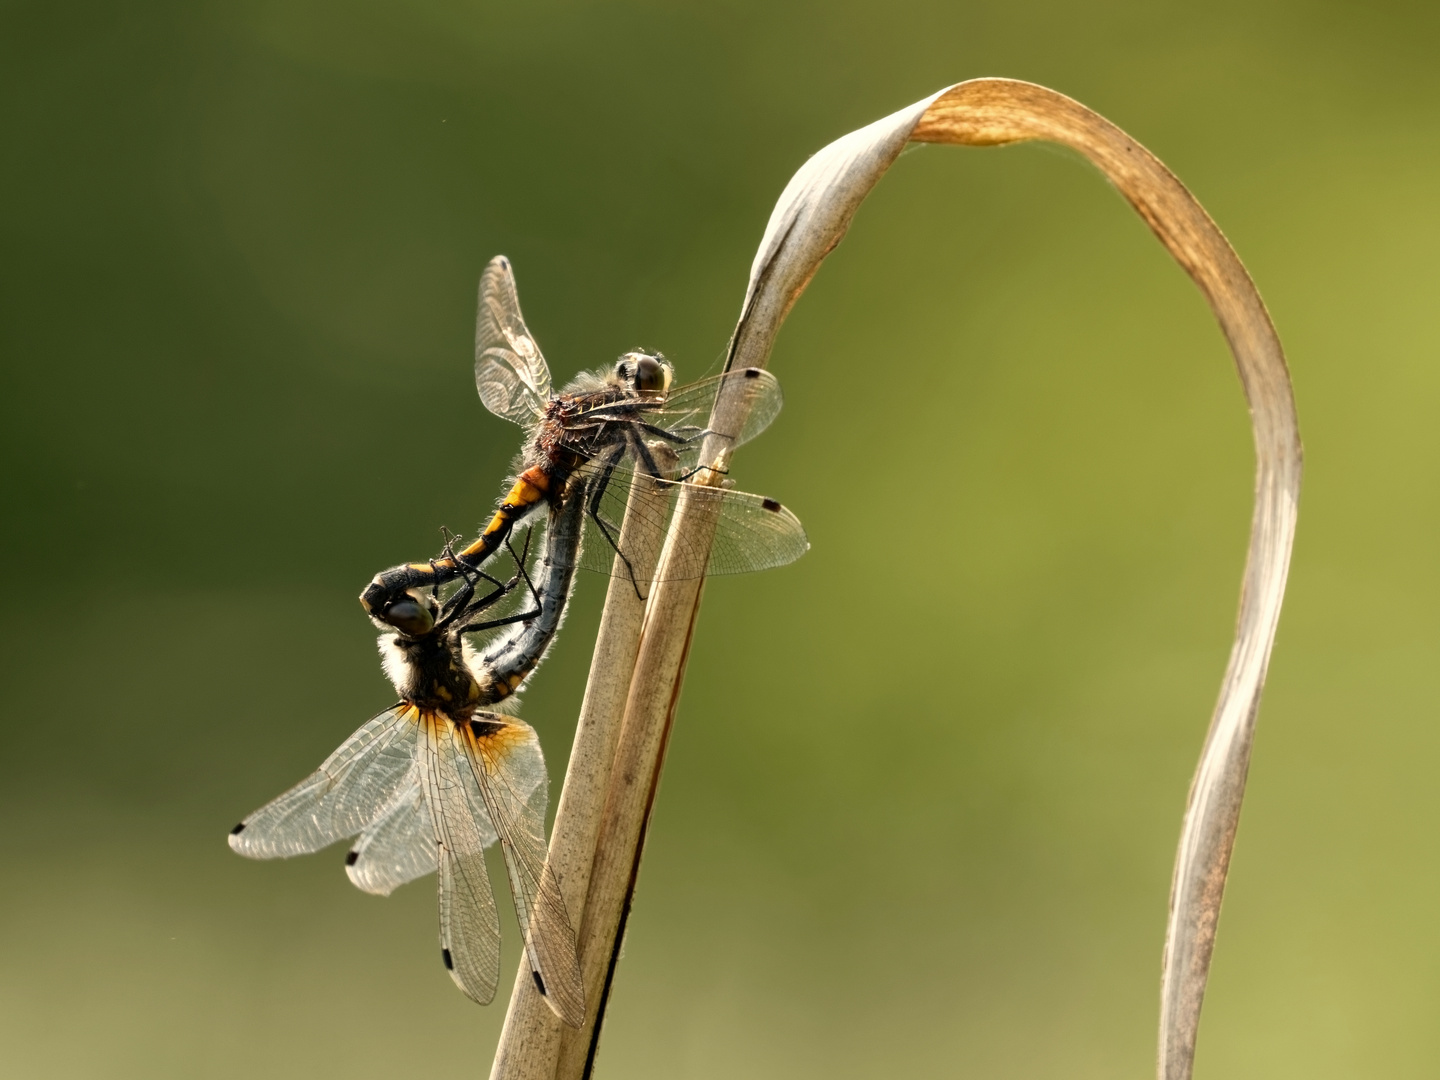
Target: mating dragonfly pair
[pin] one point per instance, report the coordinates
(431, 782)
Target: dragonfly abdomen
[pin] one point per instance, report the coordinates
(510, 658)
(531, 490)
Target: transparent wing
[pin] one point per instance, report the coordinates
(349, 791)
(507, 771)
(511, 375)
(751, 532)
(690, 405)
(685, 412)
(469, 923)
(398, 846)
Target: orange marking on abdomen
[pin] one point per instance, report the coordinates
(529, 489)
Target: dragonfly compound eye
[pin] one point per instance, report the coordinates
(652, 375)
(412, 616)
(649, 374)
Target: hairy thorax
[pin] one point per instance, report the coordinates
(441, 673)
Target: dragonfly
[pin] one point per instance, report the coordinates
(428, 784)
(607, 428)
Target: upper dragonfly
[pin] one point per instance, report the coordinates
(600, 429)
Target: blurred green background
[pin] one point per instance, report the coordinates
(925, 787)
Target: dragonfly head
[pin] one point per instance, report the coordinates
(646, 373)
(414, 614)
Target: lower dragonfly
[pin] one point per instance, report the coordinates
(432, 781)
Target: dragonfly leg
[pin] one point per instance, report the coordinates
(462, 604)
(453, 561)
(520, 561)
(697, 470)
(672, 436)
(448, 553)
(490, 624)
(601, 483)
(459, 605)
(642, 454)
(481, 605)
(648, 460)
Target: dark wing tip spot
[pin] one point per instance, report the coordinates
(752, 373)
(539, 982)
(771, 505)
(238, 829)
(351, 857)
(445, 957)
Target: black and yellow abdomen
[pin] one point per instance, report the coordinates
(532, 489)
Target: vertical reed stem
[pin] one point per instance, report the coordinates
(530, 1040)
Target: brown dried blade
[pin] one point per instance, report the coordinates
(989, 112)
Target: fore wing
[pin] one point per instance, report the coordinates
(469, 923)
(691, 405)
(507, 771)
(751, 532)
(685, 413)
(510, 373)
(349, 791)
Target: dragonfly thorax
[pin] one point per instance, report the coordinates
(442, 673)
(437, 672)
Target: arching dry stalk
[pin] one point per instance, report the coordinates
(810, 219)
